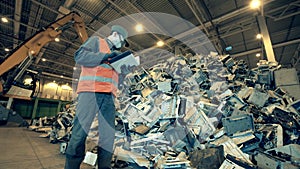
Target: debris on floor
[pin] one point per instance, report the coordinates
(58, 128)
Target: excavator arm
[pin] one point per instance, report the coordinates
(32, 46)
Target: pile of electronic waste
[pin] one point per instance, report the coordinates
(57, 128)
(200, 112)
(206, 112)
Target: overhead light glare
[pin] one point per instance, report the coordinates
(43, 59)
(6, 49)
(160, 43)
(56, 39)
(258, 55)
(74, 68)
(139, 28)
(255, 4)
(61, 76)
(52, 85)
(3, 19)
(28, 81)
(66, 87)
(259, 36)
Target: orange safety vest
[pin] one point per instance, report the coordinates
(102, 78)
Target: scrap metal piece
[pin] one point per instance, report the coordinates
(146, 91)
(62, 148)
(128, 156)
(228, 62)
(268, 161)
(163, 125)
(133, 115)
(170, 107)
(231, 148)
(258, 98)
(164, 86)
(236, 102)
(90, 158)
(207, 158)
(295, 106)
(243, 139)
(265, 77)
(238, 124)
(245, 92)
(287, 119)
(169, 162)
(199, 123)
(182, 107)
(176, 136)
(272, 135)
(239, 162)
(141, 129)
(200, 77)
(292, 152)
(227, 164)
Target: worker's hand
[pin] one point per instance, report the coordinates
(108, 56)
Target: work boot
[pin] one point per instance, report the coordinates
(104, 158)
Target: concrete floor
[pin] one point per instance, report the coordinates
(22, 148)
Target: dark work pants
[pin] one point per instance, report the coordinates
(88, 105)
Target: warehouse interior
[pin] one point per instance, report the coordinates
(233, 33)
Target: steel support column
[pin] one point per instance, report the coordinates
(266, 39)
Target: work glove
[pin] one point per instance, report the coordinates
(109, 56)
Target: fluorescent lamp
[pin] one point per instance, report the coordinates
(160, 43)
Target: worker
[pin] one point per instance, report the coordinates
(97, 87)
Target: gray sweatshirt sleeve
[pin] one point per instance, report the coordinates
(88, 54)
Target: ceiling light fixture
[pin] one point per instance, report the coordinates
(6, 49)
(255, 4)
(74, 68)
(228, 48)
(160, 43)
(56, 39)
(3, 19)
(259, 36)
(28, 81)
(43, 59)
(139, 28)
(257, 55)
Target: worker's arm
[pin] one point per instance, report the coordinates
(88, 54)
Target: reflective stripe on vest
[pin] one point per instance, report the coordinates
(98, 79)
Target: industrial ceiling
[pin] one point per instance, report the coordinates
(230, 23)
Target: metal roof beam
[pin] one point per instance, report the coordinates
(208, 24)
(259, 49)
(102, 22)
(218, 42)
(283, 14)
(286, 38)
(126, 13)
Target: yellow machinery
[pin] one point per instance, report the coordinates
(20, 58)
